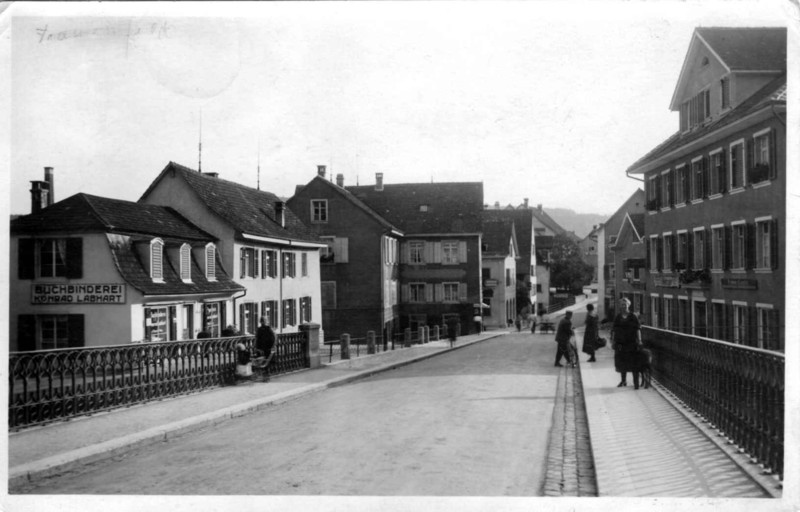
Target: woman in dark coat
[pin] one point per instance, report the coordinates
(627, 338)
(590, 333)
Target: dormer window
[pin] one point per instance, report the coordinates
(211, 255)
(725, 92)
(186, 263)
(695, 111)
(157, 260)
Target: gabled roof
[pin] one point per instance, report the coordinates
(451, 207)
(548, 221)
(347, 195)
(84, 213)
(523, 225)
(245, 209)
(774, 93)
(497, 235)
(131, 269)
(633, 223)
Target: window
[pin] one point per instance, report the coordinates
(53, 257)
(739, 323)
(667, 189)
(157, 260)
(717, 329)
(269, 264)
(683, 251)
(450, 253)
(681, 185)
(668, 252)
(248, 313)
(47, 332)
(416, 252)
(319, 210)
(718, 173)
(652, 193)
(213, 318)
(655, 306)
(768, 335)
(305, 309)
(416, 292)
(159, 323)
(766, 244)
(717, 247)
(186, 262)
(699, 249)
(450, 292)
(699, 178)
(738, 246)
(700, 318)
(509, 282)
(304, 264)
(289, 316)
(737, 165)
(762, 168)
(695, 111)
(247, 262)
(289, 264)
(654, 258)
(211, 273)
(328, 289)
(336, 250)
(725, 92)
(269, 309)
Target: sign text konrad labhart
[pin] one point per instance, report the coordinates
(56, 293)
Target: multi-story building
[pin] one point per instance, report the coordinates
(588, 248)
(716, 192)
(359, 265)
(608, 251)
(628, 264)
(94, 271)
(440, 252)
(267, 248)
(499, 272)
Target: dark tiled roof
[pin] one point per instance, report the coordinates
(748, 49)
(637, 219)
(523, 225)
(127, 261)
(452, 207)
(770, 93)
(246, 209)
(497, 236)
(84, 213)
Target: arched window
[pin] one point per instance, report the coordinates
(186, 262)
(211, 255)
(157, 259)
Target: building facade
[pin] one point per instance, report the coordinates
(359, 266)
(267, 248)
(716, 193)
(499, 273)
(93, 271)
(627, 269)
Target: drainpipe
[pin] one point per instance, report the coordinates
(234, 308)
(280, 290)
(627, 173)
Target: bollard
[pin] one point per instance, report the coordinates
(427, 331)
(313, 333)
(345, 346)
(407, 337)
(370, 342)
(435, 335)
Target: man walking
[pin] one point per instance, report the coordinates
(563, 334)
(265, 345)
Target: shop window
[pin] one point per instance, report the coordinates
(159, 323)
(47, 332)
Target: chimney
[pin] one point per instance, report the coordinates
(526, 202)
(321, 171)
(497, 204)
(51, 186)
(39, 195)
(539, 207)
(340, 180)
(379, 181)
(212, 174)
(280, 216)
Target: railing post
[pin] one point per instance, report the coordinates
(344, 344)
(407, 337)
(370, 342)
(312, 333)
(435, 335)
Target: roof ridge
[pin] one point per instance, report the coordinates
(93, 208)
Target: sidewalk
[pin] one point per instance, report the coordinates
(644, 446)
(51, 449)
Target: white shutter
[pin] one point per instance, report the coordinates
(437, 252)
(404, 252)
(340, 250)
(429, 252)
(439, 292)
(462, 292)
(462, 251)
(404, 293)
(428, 292)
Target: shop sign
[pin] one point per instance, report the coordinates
(667, 281)
(58, 293)
(740, 284)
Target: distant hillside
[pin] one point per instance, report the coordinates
(580, 223)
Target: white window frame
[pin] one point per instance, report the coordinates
(743, 165)
(157, 260)
(666, 258)
(210, 263)
(715, 160)
(699, 255)
(717, 247)
(186, 263)
(653, 253)
(681, 171)
(764, 243)
(739, 321)
(450, 252)
(416, 252)
(762, 322)
(741, 253)
(319, 211)
(416, 293)
(451, 286)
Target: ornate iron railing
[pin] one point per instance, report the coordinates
(54, 385)
(738, 390)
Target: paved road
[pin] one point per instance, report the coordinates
(473, 422)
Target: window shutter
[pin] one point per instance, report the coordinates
(673, 178)
(341, 246)
(75, 330)
(775, 330)
(438, 290)
(727, 249)
(428, 292)
(256, 263)
(26, 259)
(689, 250)
(673, 251)
(750, 246)
(462, 251)
(707, 236)
(26, 332)
(706, 176)
(74, 258)
(657, 191)
(750, 158)
(462, 292)
(752, 326)
(774, 248)
(309, 309)
(723, 177)
(773, 156)
(659, 253)
(687, 183)
(647, 253)
(433, 252)
(404, 293)
(242, 269)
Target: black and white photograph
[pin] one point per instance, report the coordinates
(401, 255)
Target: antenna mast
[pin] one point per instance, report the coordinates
(258, 171)
(200, 145)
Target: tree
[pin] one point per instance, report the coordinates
(568, 271)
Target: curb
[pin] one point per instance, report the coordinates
(50, 466)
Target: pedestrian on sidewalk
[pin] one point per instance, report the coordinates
(564, 333)
(265, 338)
(590, 333)
(626, 336)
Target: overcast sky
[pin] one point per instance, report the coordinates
(546, 101)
